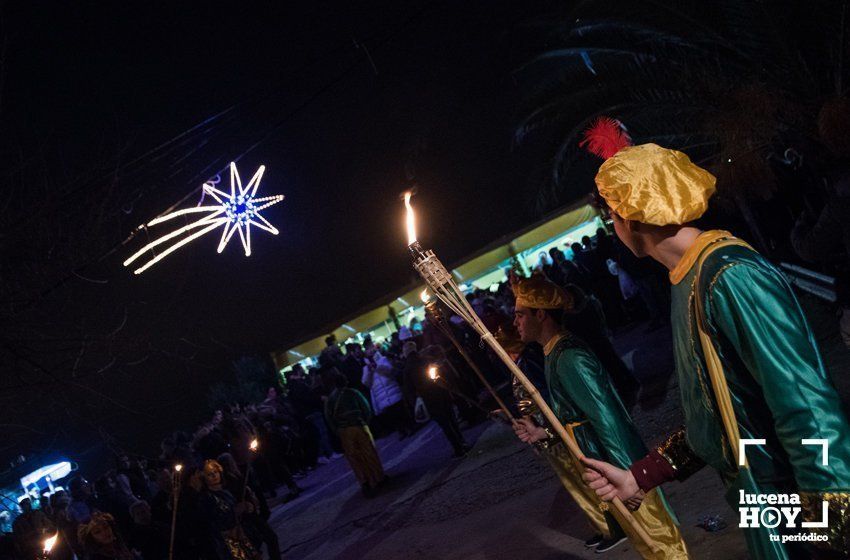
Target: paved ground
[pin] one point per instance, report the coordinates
(501, 502)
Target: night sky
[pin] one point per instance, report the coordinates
(346, 106)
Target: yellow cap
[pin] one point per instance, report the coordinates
(655, 185)
(539, 293)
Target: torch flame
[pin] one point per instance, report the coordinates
(48, 543)
(432, 373)
(411, 219)
(425, 296)
(178, 467)
(254, 444)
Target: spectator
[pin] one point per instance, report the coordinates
(348, 414)
(146, 536)
(82, 503)
(386, 393)
(437, 399)
(29, 529)
(222, 512)
(100, 539)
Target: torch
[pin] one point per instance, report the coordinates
(438, 320)
(47, 546)
(442, 284)
(175, 491)
(434, 375)
(253, 446)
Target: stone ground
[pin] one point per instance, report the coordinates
(503, 502)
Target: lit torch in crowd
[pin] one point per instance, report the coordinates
(47, 546)
(436, 318)
(175, 496)
(254, 446)
(434, 375)
(442, 284)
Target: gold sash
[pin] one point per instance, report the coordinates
(712, 361)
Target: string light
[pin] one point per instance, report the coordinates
(237, 212)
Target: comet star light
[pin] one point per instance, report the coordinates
(237, 212)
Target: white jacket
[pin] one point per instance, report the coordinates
(384, 388)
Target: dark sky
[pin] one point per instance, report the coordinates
(350, 103)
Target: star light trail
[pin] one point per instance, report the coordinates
(237, 212)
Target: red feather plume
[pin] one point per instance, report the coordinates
(605, 137)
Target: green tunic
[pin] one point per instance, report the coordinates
(778, 383)
(581, 392)
(584, 400)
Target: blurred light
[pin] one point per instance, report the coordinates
(48, 543)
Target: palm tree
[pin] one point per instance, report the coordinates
(729, 82)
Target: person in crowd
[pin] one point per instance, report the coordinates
(582, 397)
(586, 319)
(222, 512)
(437, 399)
(825, 238)
(101, 540)
(82, 500)
(352, 367)
(543, 261)
(648, 276)
(30, 528)
(379, 377)
(131, 481)
(348, 414)
(746, 358)
(66, 545)
(146, 536)
(307, 404)
(255, 521)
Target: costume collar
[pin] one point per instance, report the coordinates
(690, 257)
(547, 349)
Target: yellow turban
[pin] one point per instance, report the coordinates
(655, 185)
(539, 293)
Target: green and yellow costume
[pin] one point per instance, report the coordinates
(766, 378)
(583, 398)
(557, 455)
(779, 387)
(585, 402)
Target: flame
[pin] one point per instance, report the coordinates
(178, 467)
(48, 543)
(254, 444)
(411, 219)
(433, 373)
(425, 296)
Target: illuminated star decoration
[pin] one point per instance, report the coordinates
(237, 212)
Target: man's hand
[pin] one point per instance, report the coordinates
(528, 432)
(610, 482)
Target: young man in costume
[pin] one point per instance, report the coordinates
(582, 397)
(746, 358)
(529, 358)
